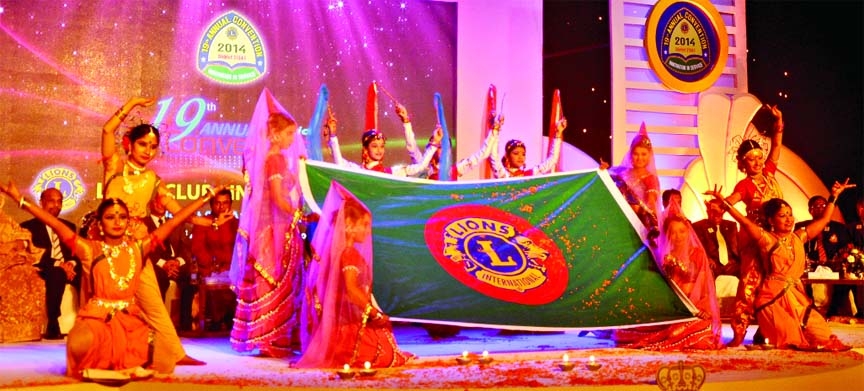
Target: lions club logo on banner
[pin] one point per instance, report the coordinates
(498, 254)
(687, 44)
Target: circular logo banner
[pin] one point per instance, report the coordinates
(687, 44)
(61, 178)
(231, 51)
(498, 254)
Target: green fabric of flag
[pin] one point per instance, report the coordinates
(533, 253)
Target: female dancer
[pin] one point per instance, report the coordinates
(683, 260)
(110, 331)
(266, 267)
(373, 142)
(785, 313)
(130, 180)
(758, 187)
(513, 162)
(342, 323)
(637, 179)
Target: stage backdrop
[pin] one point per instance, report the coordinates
(70, 65)
(553, 252)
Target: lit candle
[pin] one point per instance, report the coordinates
(367, 365)
(465, 354)
(593, 364)
(485, 354)
(565, 363)
(346, 372)
(767, 342)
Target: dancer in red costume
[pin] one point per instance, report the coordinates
(266, 268)
(682, 259)
(785, 313)
(759, 186)
(342, 324)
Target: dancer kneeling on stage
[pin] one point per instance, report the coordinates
(342, 323)
(785, 314)
(110, 331)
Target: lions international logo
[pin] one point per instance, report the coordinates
(497, 254)
(61, 178)
(687, 44)
(231, 51)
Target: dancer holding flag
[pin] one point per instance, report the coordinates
(513, 162)
(373, 142)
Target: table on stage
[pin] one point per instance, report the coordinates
(840, 281)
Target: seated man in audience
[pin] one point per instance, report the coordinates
(212, 247)
(57, 266)
(714, 231)
(822, 251)
(856, 230)
(169, 261)
(719, 238)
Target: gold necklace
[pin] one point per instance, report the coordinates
(128, 187)
(112, 252)
(136, 170)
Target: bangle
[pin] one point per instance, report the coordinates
(832, 199)
(120, 114)
(22, 203)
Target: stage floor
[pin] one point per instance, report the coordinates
(521, 361)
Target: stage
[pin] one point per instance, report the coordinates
(519, 361)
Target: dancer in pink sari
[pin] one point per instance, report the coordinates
(267, 264)
(637, 180)
(682, 259)
(342, 324)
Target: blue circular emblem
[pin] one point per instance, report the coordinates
(687, 44)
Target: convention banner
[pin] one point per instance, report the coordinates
(562, 251)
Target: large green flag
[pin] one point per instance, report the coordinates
(548, 252)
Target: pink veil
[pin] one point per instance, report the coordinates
(694, 277)
(635, 188)
(326, 306)
(256, 212)
(625, 170)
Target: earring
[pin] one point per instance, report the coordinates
(101, 232)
